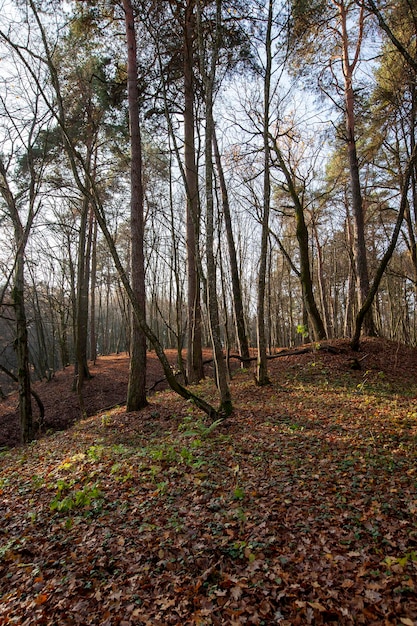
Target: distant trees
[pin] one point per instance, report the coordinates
(21, 177)
(264, 197)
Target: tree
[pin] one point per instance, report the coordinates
(136, 397)
(348, 66)
(21, 234)
(388, 254)
(92, 191)
(262, 368)
(394, 108)
(194, 340)
(234, 268)
(314, 316)
(20, 189)
(208, 72)
(334, 31)
(389, 12)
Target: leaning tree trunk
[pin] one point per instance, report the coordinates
(234, 270)
(76, 161)
(213, 308)
(136, 395)
(314, 317)
(388, 254)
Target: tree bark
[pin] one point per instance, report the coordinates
(195, 370)
(306, 280)
(81, 370)
(262, 366)
(18, 296)
(361, 263)
(22, 353)
(388, 254)
(93, 283)
(219, 360)
(234, 269)
(136, 395)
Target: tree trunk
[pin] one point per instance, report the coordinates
(82, 372)
(234, 270)
(314, 317)
(22, 352)
(136, 395)
(195, 370)
(93, 193)
(322, 286)
(361, 263)
(175, 276)
(411, 216)
(18, 296)
(388, 254)
(213, 308)
(93, 282)
(262, 366)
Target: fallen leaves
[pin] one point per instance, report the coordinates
(304, 515)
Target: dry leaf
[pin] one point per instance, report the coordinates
(41, 598)
(236, 592)
(318, 606)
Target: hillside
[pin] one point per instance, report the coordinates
(299, 509)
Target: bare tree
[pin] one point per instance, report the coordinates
(234, 268)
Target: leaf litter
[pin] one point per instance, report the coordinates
(299, 509)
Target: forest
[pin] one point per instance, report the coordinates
(178, 175)
(208, 333)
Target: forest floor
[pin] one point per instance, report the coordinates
(301, 508)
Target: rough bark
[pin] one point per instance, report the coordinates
(136, 395)
(361, 263)
(219, 360)
(22, 354)
(195, 370)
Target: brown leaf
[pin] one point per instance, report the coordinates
(373, 596)
(41, 598)
(236, 592)
(318, 606)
